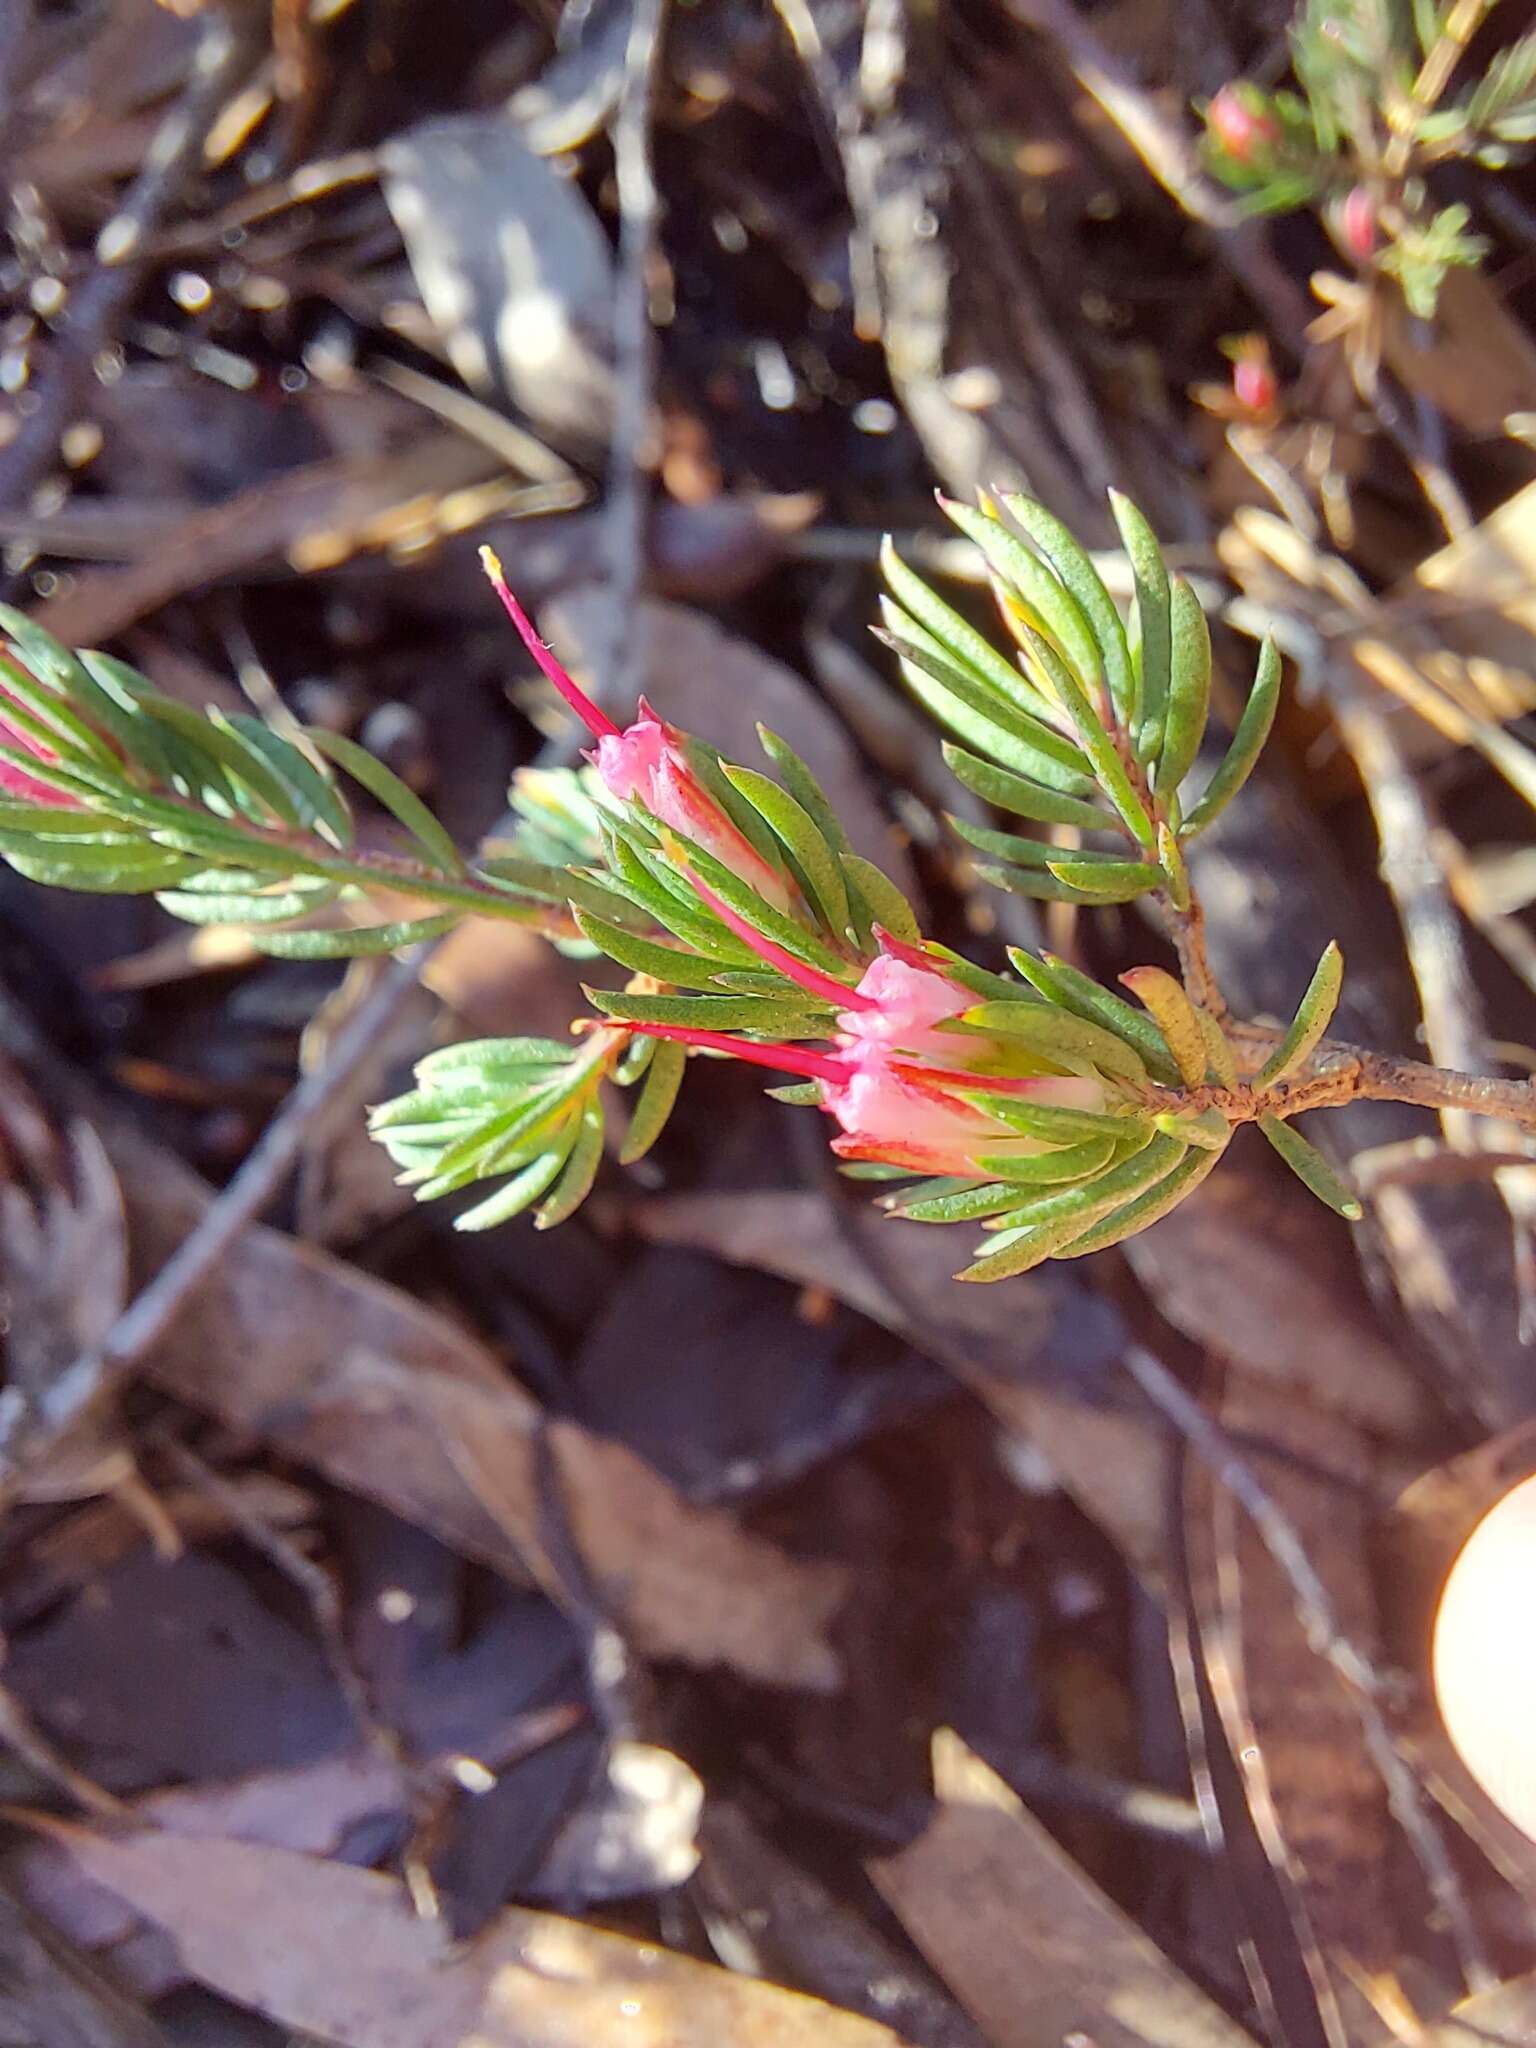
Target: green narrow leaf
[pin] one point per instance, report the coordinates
(213, 761)
(951, 1200)
(524, 1188)
(762, 916)
(797, 831)
(502, 1141)
(1313, 1015)
(1049, 605)
(575, 1184)
(1024, 798)
(943, 629)
(1253, 730)
(1147, 1208)
(207, 906)
(1114, 882)
(978, 730)
(880, 896)
(1077, 1164)
(644, 956)
(1048, 888)
(1312, 1169)
(128, 868)
(758, 1014)
(1174, 1015)
(1051, 1032)
(799, 1094)
(1070, 989)
(494, 1058)
(689, 922)
(51, 715)
(1189, 689)
(805, 789)
(1218, 1052)
(1210, 1129)
(1154, 631)
(318, 800)
(262, 770)
(352, 945)
(1023, 851)
(1058, 1126)
(1044, 1217)
(1072, 564)
(1108, 768)
(403, 804)
(1022, 725)
(655, 1101)
(1029, 1249)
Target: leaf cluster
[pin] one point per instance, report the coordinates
(1094, 725)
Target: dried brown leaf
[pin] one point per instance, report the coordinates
(335, 1951)
(1002, 1341)
(1033, 1949)
(400, 1404)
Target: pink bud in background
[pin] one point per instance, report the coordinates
(1254, 383)
(1239, 121)
(1357, 223)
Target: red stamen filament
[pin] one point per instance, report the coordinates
(595, 720)
(788, 1059)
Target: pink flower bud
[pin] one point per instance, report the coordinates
(1254, 383)
(1240, 122)
(647, 762)
(1357, 223)
(15, 781)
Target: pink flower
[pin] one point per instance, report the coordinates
(894, 1112)
(903, 1005)
(648, 762)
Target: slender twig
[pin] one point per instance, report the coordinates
(1437, 955)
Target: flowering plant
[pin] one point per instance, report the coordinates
(1046, 1108)
(1371, 121)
